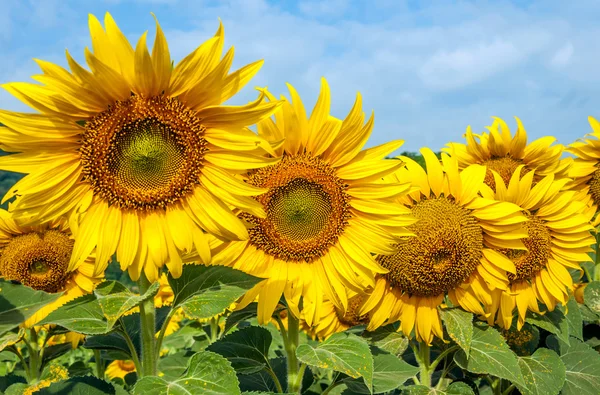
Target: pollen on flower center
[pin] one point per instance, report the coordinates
(530, 262)
(307, 209)
(505, 166)
(143, 153)
(38, 260)
(594, 184)
(445, 251)
(352, 318)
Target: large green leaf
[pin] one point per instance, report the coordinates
(389, 373)
(247, 349)
(582, 365)
(388, 339)
(553, 321)
(9, 338)
(574, 319)
(341, 352)
(173, 366)
(18, 303)
(207, 373)
(459, 325)
(82, 315)
(199, 289)
(86, 385)
(490, 354)
(238, 316)
(591, 296)
(115, 299)
(543, 373)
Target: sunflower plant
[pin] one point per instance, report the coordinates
(164, 242)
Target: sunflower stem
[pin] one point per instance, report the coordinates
(214, 329)
(424, 364)
(99, 364)
(148, 325)
(161, 334)
(291, 343)
(34, 355)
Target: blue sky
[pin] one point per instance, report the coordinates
(427, 68)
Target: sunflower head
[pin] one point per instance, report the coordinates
(450, 252)
(145, 158)
(38, 257)
(585, 170)
(327, 209)
(119, 368)
(502, 153)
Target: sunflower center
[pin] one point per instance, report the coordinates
(530, 262)
(143, 153)
(38, 260)
(127, 366)
(594, 183)
(352, 318)
(307, 209)
(505, 166)
(446, 249)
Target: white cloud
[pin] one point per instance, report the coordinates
(562, 57)
(323, 7)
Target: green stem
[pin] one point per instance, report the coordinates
(34, 355)
(331, 387)
(291, 343)
(509, 389)
(214, 329)
(99, 364)
(441, 357)
(15, 351)
(424, 364)
(275, 380)
(132, 351)
(161, 334)
(148, 325)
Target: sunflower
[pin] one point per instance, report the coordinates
(327, 210)
(119, 368)
(585, 170)
(501, 152)
(38, 257)
(333, 320)
(558, 239)
(70, 337)
(141, 153)
(451, 251)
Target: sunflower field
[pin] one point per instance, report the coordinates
(161, 242)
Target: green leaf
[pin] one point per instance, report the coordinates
(543, 373)
(16, 389)
(205, 291)
(115, 299)
(55, 351)
(10, 338)
(490, 354)
(553, 321)
(174, 365)
(389, 373)
(238, 316)
(591, 296)
(82, 315)
(341, 352)
(459, 388)
(247, 349)
(86, 385)
(459, 325)
(582, 365)
(388, 339)
(18, 303)
(574, 319)
(208, 373)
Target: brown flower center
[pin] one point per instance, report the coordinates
(127, 366)
(446, 249)
(352, 318)
(594, 184)
(307, 209)
(38, 260)
(530, 262)
(504, 166)
(143, 153)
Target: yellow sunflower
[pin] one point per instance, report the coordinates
(558, 239)
(119, 368)
(452, 250)
(38, 257)
(332, 320)
(499, 151)
(327, 210)
(585, 170)
(143, 154)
